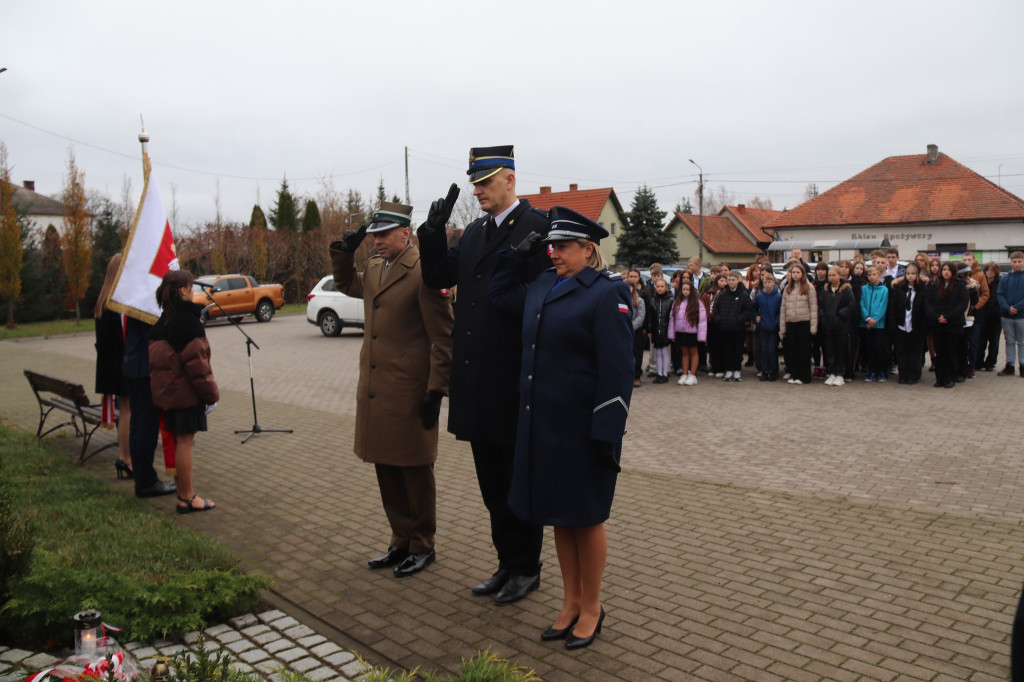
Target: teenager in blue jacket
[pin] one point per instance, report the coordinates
(874, 305)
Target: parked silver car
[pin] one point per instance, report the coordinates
(331, 310)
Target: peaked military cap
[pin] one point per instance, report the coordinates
(486, 161)
(389, 216)
(567, 224)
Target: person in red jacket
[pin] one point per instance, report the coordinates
(181, 378)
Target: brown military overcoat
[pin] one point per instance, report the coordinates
(407, 351)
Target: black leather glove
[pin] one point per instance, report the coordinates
(529, 246)
(350, 241)
(440, 212)
(606, 454)
(430, 409)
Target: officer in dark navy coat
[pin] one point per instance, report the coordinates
(575, 386)
(483, 394)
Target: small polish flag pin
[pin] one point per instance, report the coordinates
(444, 292)
(623, 308)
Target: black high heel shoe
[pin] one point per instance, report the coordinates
(551, 634)
(574, 642)
(123, 470)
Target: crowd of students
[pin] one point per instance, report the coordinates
(870, 315)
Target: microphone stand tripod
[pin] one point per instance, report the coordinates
(249, 344)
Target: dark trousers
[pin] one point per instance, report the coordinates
(818, 350)
(988, 345)
(798, 343)
(769, 346)
(973, 334)
(909, 354)
(946, 345)
(518, 542)
(731, 351)
(702, 353)
(1017, 643)
(143, 430)
(676, 353)
(714, 347)
(410, 503)
(852, 349)
(640, 343)
(836, 347)
(876, 360)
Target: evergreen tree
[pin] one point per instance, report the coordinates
(642, 241)
(260, 259)
(685, 206)
(311, 217)
(106, 242)
(284, 214)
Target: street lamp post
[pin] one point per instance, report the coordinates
(700, 190)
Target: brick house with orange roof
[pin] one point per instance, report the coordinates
(752, 221)
(600, 205)
(921, 202)
(724, 241)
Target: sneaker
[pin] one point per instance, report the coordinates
(790, 381)
(869, 378)
(728, 376)
(682, 380)
(679, 372)
(691, 380)
(711, 374)
(736, 376)
(787, 375)
(838, 381)
(719, 375)
(830, 380)
(881, 378)
(796, 382)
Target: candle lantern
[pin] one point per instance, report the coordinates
(87, 631)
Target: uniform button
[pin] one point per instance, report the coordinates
(529, 378)
(479, 276)
(533, 346)
(473, 304)
(376, 305)
(466, 362)
(469, 333)
(538, 316)
(527, 407)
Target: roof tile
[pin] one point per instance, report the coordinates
(720, 234)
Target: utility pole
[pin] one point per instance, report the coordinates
(700, 190)
(407, 202)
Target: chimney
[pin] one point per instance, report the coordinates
(30, 185)
(545, 190)
(741, 207)
(933, 153)
(573, 187)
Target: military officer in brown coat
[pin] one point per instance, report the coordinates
(403, 374)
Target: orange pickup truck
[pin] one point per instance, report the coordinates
(238, 295)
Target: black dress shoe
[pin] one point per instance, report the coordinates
(157, 489)
(551, 634)
(517, 587)
(394, 557)
(574, 642)
(414, 563)
(492, 584)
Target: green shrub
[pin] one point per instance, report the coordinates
(16, 541)
(96, 548)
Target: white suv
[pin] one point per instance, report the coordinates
(331, 310)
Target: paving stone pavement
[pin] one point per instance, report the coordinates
(262, 643)
(760, 530)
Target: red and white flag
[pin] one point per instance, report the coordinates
(148, 255)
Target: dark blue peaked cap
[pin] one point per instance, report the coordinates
(567, 224)
(486, 161)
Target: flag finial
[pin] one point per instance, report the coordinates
(144, 139)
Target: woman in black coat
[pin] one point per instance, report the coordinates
(109, 356)
(945, 310)
(836, 308)
(575, 387)
(906, 320)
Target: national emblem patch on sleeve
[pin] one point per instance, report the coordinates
(623, 308)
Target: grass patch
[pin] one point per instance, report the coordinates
(95, 548)
(49, 328)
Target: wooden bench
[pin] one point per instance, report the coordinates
(68, 397)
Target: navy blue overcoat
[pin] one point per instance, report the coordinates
(575, 386)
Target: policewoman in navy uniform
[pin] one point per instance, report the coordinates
(484, 389)
(575, 386)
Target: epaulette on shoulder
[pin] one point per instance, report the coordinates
(611, 274)
(540, 212)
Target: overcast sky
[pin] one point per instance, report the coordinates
(765, 96)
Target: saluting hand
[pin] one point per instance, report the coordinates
(350, 241)
(529, 246)
(440, 212)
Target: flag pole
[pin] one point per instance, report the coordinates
(144, 141)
